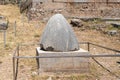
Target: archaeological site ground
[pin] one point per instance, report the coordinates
(59, 40)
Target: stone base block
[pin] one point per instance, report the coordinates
(57, 61)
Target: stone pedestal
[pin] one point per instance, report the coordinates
(59, 61)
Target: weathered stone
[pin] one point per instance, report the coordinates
(3, 23)
(63, 64)
(112, 32)
(58, 35)
(76, 22)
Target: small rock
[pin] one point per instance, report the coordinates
(33, 9)
(3, 23)
(76, 22)
(57, 11)
(112, 32)
(10, 54)
(50, 78)
(34, 73)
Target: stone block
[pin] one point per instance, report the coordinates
(56, 61)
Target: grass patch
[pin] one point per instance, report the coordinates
(112, 28)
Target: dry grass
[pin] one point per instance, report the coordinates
(31, 32)
(96, 72)
(26, 33)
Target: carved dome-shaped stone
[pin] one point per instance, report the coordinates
(58, 35)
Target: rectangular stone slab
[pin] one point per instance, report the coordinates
(76, 64)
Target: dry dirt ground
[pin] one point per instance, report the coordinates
(30, 33)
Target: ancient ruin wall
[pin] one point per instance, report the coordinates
(96, 9)
(46, 9)
(2, 2)
(93, 9)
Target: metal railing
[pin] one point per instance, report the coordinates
(16, 57)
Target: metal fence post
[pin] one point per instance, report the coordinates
(88, 46)
(15, 63)
(13, 68)
(37, 61)
(15, 28)
(4, 38)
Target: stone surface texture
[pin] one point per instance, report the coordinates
(3, 23)
(58, 35)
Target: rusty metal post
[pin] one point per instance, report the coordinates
(13, 68)
(88, 46)
(37, 61)
(16, 72)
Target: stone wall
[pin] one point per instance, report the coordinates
(46, 9)
(2, 2)
(96, 10)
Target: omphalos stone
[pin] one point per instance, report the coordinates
(58, 35)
